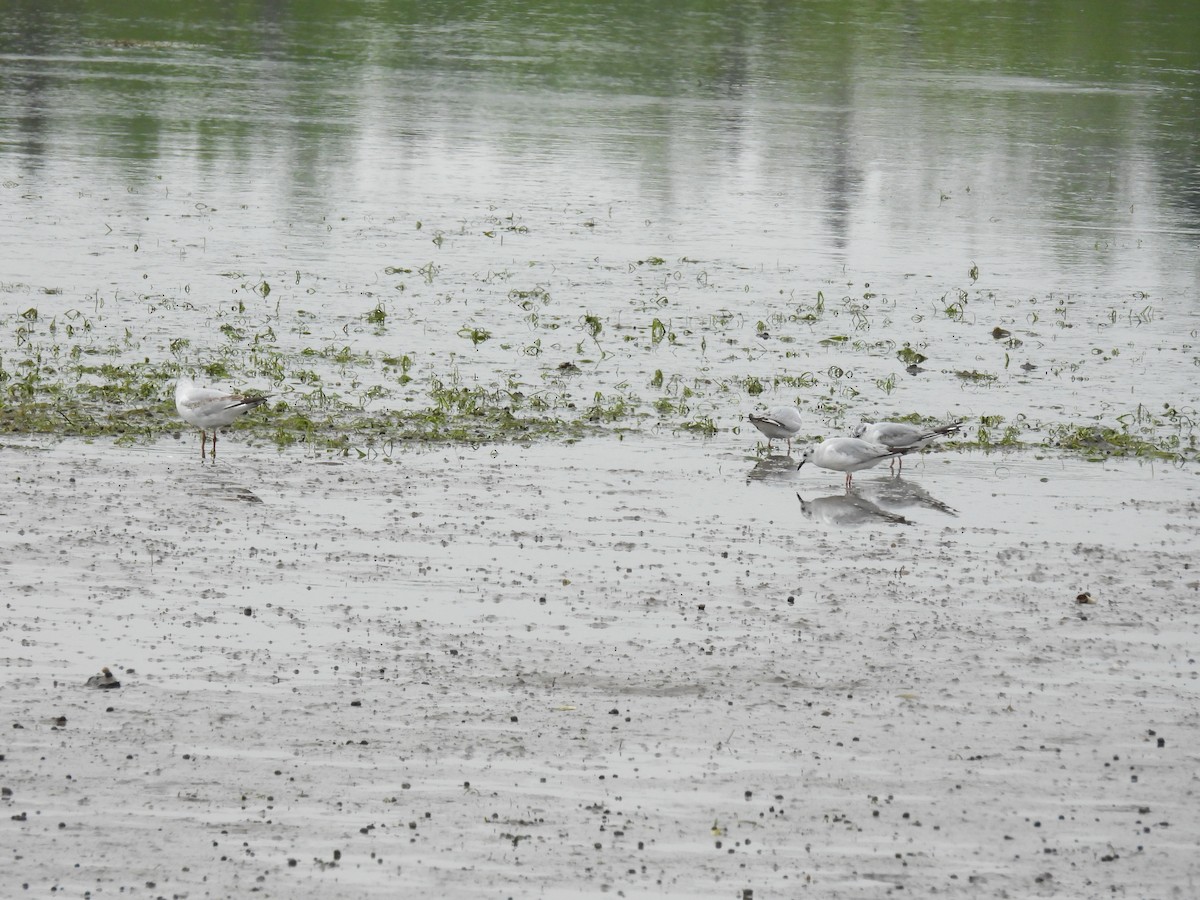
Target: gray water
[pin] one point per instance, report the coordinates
(794, 193)
(703, 209)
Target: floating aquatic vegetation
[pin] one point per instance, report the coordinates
(975, 376)
(372, 377)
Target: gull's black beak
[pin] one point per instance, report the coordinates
(802, 462)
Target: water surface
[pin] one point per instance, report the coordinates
(807, 171)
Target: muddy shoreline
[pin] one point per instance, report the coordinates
(621, 668)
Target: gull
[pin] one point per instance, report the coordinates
(780, 423)
(903, 436)
(209, 409)
(849, 455)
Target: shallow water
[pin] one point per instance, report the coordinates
(619, 665)
(756, 180)
(455, 670)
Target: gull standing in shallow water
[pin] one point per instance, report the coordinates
(781, 423)
(209, 409)
(902, 436)
(848, 455)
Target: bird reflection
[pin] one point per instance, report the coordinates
(900, 493)
(847, 510)
(771, 467)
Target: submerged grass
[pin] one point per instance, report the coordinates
(1098, 442)
(326, 422)
(358, 388)
(52, 388)
(1131, 437)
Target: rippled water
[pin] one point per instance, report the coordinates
(654, 219)
(794, 191)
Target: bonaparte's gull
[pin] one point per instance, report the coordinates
(849, 455)
(902, 435)
(780, 423)
(209, 409)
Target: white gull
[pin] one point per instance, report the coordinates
(780, 423)
(210, 408)
(849, 455)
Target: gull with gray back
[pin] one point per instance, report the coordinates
(902, 435)
(849, 455)
(779, 423)
(210, 408)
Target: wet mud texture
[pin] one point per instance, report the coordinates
(630, 669)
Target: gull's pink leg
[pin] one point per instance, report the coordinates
(214, 452)
(203, 442)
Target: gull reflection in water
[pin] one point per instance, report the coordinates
(771, 467)
(847, 511)
(900, 493)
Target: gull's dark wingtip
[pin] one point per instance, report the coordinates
(250, 402)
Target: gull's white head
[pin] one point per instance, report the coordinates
(187, 382)
(807, 457)
(859, 429)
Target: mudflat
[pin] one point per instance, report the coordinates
(636, 668)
